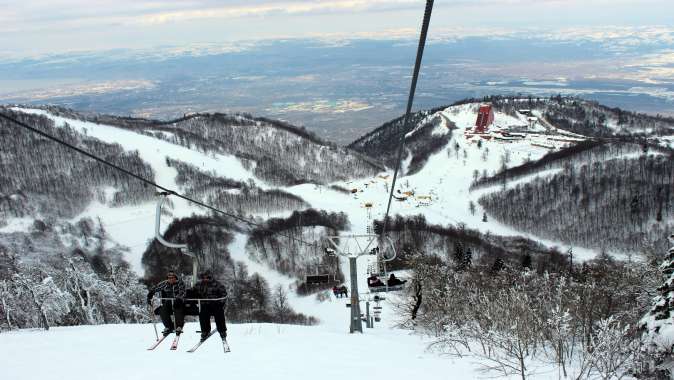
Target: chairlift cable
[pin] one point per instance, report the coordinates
(410, 100)
(138, 177)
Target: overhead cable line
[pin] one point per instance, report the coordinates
(410, 100)
(140, 178)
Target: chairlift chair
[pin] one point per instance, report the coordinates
(319, 279)
(379, 268)
(192, 304)
(322, 274)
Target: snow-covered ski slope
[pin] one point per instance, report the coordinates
(259, 352)
(441, 189)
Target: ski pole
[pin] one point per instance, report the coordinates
(154, 320)
(173, 309)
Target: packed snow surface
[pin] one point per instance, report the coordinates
(259, 351)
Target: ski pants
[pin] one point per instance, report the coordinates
(169, 308)
(217, 311)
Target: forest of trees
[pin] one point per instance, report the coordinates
(555, 160)
(277, 152)
(583, 318)
(383, 141)
(45, 282)
(280, 243)
(40, 177)
(599, 200)
(232, 196)
(423, 144)
(412, 235)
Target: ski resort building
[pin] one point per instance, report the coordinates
(485, 117)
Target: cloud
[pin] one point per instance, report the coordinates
(105, 24)
(153, 12)
(273, 7)
(77, 12)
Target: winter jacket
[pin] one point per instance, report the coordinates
(168, 290)
(210, 289)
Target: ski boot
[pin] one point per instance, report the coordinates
(179, 330)
(167, 331)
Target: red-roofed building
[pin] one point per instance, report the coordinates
(485, 117)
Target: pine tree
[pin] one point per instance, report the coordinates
(467, 260)
(498, 265)
(458, 254)
(526, 261)
(484, 217)
(471, 204)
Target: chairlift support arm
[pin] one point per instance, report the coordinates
(182, 247)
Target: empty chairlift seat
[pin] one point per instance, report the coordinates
(319, 279)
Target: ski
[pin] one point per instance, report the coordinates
(225, 346)
(161, 339)
(174, 345)
(201, 342)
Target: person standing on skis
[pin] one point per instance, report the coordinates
(209, 289)
(172, 287)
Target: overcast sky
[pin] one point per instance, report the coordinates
(35, 27)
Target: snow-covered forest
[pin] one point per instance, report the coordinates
(276, 152)
(583, 319)
(65, 274)
(37, 176)
(609, 197)
(230, 195)
(288, 253)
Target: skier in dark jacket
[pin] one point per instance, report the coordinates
(208, 288)
(394, 281)
(374, 281)
(340, 291)
(172, 287)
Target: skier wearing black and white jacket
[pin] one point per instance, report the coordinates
(208, 288)
(172, 287)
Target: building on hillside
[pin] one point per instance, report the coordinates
(485, 118)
